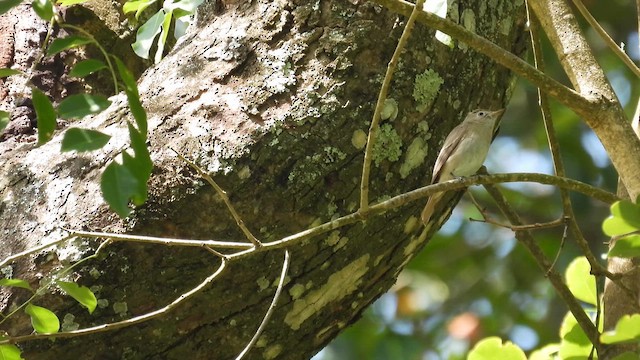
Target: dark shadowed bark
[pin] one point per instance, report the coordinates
(274, 99)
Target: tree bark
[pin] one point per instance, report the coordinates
(273, 99)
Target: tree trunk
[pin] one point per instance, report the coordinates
(274, 99)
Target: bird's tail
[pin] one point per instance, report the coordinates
(427, 212)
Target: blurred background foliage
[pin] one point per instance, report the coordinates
(473, 280)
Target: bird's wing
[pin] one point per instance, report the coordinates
(450, 145)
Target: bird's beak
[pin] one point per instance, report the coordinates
(498, 112)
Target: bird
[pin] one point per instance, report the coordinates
(463, 152)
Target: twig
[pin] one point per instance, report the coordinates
(272, 307)
(607, 39)
(382, 96)
(124, 323)
(536, 226)
(563, 241)
(14, 257)
(225, 198)
(561, 288)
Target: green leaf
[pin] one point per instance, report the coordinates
(574, 342)
(4, 72)
(6, 5)
(628, 247)
(15, 283)
(80, 105)
(4, 120)
(137, 6)
(71, 2)
(67, 43)
(133, 97)
(86, 67)
(580, 281)
(43, 8)
(118, 185)
(492, 348)
(43, 320)
(45, 114)
(547, 352)
(82, 294)
(83, 140)
(166, 24)
(10, 352)
(625, 218)
(140, 165)
(627, 330)
(146, 33)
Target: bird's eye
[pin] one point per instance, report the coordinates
(481, 113)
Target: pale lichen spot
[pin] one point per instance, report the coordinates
(262, 341)
(505, 26)
(340, 284)
(414, 156)
(377, 260)
(325, 265)
(244, 173)
(359, 139)
(272, 351)
(411, 224)
(333, 238)
(469, 20)
(120, 308)
(309, 285)
(263, 283)
(296, 291)
(412, 246)
(389, 110)
(425, 89)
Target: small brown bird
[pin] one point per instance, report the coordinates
(463, 152)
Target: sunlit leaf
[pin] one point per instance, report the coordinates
(140, 165)
(547, 352)
(574, 342)
(86, 67)
(83, 140)
(628, 246)
(118, 185)
(162, 39)
(627, 330)
(137, 6)
(82, 294)
(43, 8)
(625, 218)
(4, 120)
(45, 114)
(71, 2)
(43, 320)
(80, 105)
(67, 43)
(492, 348)
(4, 72)
(6, 5)
(146, 33)
(133, 97)
(15, 283)
(580, 281)
(10, 352)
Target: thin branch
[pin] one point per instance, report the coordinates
(607, 39)
(225, 198)
(124, 323)
(536, 226)
(272, 307)
(565, 95)
(162, 241)
(554, 277)
(14, 257)
(382, 96)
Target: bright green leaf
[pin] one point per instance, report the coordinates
(118, 185)
(4, 72)
(80, 105)
(547, 352)
(43, 320)
(185, 6)
(133, 97)
(140, 165)
(146, 33)
(10, 352)
(137, 6)
(43, 8)
(627, 330)
(6, 5)
(82, 294)
(83, 140)
(492, 348)
(45, 114)
(166, 24)
(625, 218)
(86, 67)
(67, 43)
(71, 2)
(574, 342)
(628, 247)
(4, 120)
(139, 195)
(15, 283)
(580, 281)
